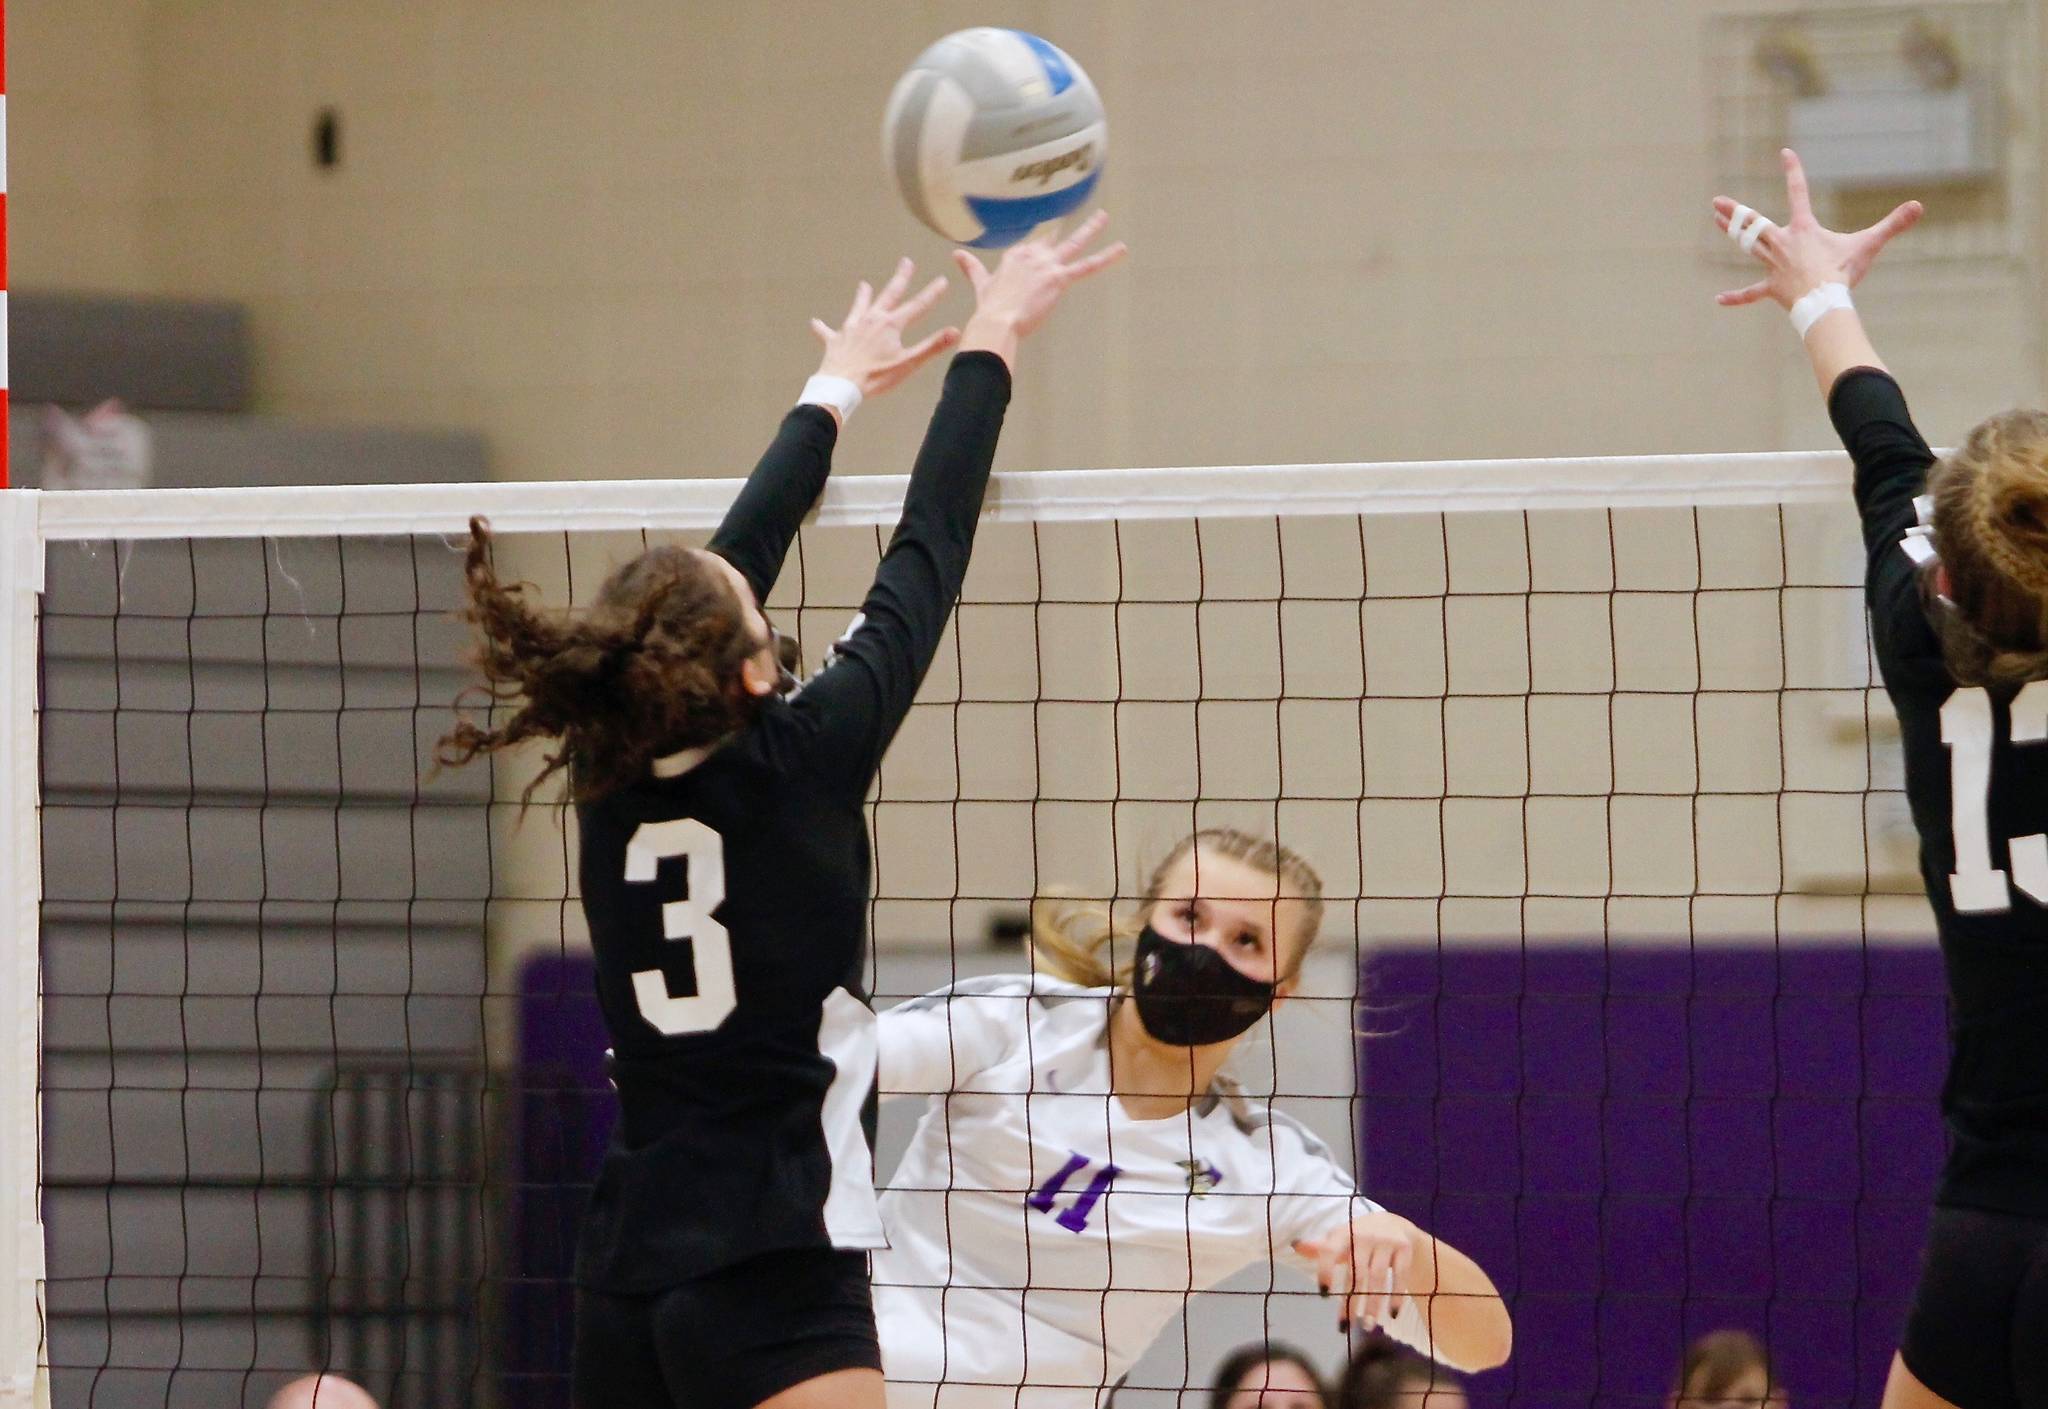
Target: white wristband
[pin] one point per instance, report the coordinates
(1818, 304)
(837, 392)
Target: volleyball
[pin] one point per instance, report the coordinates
(992, 133)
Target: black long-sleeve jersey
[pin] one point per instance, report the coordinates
(1977, 781)
(727, 898)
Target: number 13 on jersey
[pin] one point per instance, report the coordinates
(1976, 886)
(702, 852)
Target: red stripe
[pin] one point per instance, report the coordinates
(3, 332)
(3, 252)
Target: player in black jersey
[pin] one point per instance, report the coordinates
(1958, 594)
(724, 869)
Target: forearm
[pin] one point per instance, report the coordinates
(943, 502)
(764, 519)
(921, 574)
(1839, 344)
(1891, 457)
(991, 334)
(873, 674)
(1468, 1321)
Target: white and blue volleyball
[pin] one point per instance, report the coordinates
(991, 134)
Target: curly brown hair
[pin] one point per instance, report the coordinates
(1991, 533)
(652, 668)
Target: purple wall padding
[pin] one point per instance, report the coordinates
(1644, 1143)
(1639, 1143)
(564, 1111)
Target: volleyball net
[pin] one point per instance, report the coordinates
(1587, 753)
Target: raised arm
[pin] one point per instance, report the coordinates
(856, 703)
(864, 356)
(1809, 271)
(763, 520)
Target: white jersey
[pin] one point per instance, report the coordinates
(1040, 1237)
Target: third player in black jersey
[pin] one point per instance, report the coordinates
(1958, 597)
(724, 871)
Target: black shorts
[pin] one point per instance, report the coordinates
(729, 1340)
(1978, 1332)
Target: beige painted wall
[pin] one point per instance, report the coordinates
(80, 144)
(596, 228)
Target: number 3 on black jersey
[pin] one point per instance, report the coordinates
(1976, 886)
(702, 852)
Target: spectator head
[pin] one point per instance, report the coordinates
(322, 1392)
(1384, 1374)
(1268, 1376)
(1727, 1370)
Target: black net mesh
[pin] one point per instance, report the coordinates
(1648, 1023)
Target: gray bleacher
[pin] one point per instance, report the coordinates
(184, 366)
(264, 1021)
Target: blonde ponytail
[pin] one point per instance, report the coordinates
(1073, 939)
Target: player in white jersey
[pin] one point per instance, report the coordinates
(1083, 1166)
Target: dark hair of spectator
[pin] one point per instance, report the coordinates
(1717, 1361)
(1384, 1374)
(1230, 1375)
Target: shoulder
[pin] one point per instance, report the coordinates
(1032, 985)
(988, 1022)
(621, 806)
(1006, 1012)
(1288, 1142)
(1909, 647)
(1015, 992)
(778, 740)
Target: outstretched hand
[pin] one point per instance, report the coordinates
(867, 348)
(1803, 254)
(1371, 1262)
(1013, 300)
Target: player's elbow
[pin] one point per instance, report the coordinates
(1480, 1336)
(1494, 1338)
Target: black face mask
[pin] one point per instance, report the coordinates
(1188, 995)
